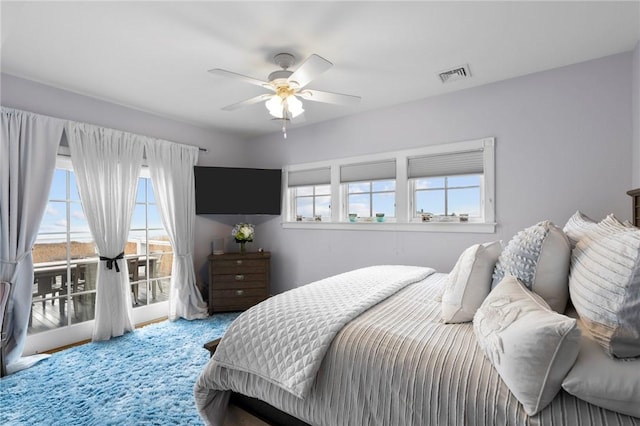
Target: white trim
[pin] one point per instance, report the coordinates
(473, 227)
(403, 220)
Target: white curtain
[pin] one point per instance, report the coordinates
(107, 165)
(171, 168)
(28, 147)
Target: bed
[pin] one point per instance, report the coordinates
(393, 361)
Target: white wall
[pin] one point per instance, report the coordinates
(636, 116)
(223, 148)
(563, 142)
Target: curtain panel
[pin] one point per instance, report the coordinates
(107, 166)
(28, 146)
(171, 169)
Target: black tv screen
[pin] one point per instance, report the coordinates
(232, 190)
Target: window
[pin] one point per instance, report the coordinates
(65, 256)
(447, 184)
(448, 195)
(370, 188)
(310, 194)
(148, 251)
(455, 178)
(367, 199)
(312, 201)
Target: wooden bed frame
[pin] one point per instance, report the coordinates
(273, 416)
(265, 412)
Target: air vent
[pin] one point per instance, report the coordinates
(455, 74)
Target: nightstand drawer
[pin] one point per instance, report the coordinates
(239, 292)
(239, 266)
(236, 303)
(238, 281)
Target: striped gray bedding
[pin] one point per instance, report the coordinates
(398, 364)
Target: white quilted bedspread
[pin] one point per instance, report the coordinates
(284, 339)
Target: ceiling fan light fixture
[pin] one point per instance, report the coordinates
(274, 105)
(294, 106)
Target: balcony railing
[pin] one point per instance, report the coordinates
(64, 291)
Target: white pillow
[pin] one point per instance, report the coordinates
(578, 226)
(613, 384)
(531, 346)
(469, 282)
(539, 256)
(605, 290)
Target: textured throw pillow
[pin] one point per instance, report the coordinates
(610, 225)
(469, 282)
(610, 383)
(531, 346)
(539, 256)
(605, 290)
(578, 226)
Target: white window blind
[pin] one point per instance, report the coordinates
(368, 171)
(321, 176)
(448, 164)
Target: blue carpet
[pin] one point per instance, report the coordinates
(142, 378)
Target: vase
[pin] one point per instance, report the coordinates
(243, 249)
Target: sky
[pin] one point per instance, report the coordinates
(54, 222)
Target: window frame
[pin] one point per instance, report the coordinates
(404, 218)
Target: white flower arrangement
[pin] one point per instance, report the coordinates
(243, 232)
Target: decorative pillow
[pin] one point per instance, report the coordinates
(469, 282)
(578, 226)
(613, 384)
(539, 256)
(610, 225)
(530, 346)
(605, 290)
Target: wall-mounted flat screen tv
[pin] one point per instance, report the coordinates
(234, 190)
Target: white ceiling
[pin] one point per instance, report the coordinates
(154, 56)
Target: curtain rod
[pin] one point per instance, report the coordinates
(65, 119)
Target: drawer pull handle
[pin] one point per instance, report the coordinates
(239, 277)
(239, 262)
(239, 292)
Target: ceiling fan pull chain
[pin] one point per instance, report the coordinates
(284, 119)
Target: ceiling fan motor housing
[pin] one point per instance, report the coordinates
(279, 75)
(284, 61)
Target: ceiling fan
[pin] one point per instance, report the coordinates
(287, 86)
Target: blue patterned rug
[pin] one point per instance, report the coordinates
(142, 378)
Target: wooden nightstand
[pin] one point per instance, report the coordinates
(635, 213)
(238, 281)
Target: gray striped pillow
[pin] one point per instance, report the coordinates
(580, 226)
(604, 285)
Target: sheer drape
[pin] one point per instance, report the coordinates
(171, 168)
(107, 165)
(28, 149)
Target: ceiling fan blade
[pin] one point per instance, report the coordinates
(312, 67)
(244, 78)
(251, 101)
(328, 97)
